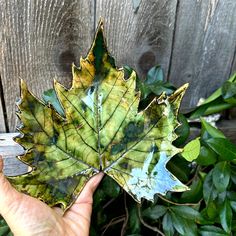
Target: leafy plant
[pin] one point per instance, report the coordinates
(222, 99)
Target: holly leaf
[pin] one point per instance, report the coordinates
(102, 131)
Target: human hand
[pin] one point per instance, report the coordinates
(27, 216)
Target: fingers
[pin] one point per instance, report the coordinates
(86, 196)
(8, 195)
(80, 212)
(83, 204)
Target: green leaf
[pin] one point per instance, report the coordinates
(182, 131)
(229, 92)
(50, 97)
(140, 84)
(134, 224)
(155, 83)
(223, 147)
(4, 228)
(191, 150)
(209, 191)
(186, 212)
(154, 75)
(231, 195)
(206, 220)
(98, 198)
(190, 228)
(221, 176)
(226, 216)
(197, 112)
(154, 212)
(233, 205)
(216, 102)
(212, 211)
(102, 131)
(164, 87)
(211, 130)
(206, 156)
(184, 219)
(210, 230)
(213, 107)
(214, 96)
(167, 225)
(233, 227)
(110, 187)
(179, 166)
(218, 92)
(178, 223)
(195, 193)
(233, 173)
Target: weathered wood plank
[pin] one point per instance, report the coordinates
(2, 104)
(228, 127)
(9, 150)
(2, 122)
(139, 39)
(39, 40)
(204, 46)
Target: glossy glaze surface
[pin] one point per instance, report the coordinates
(102, 131)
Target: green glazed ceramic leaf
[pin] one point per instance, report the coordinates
(102, 131)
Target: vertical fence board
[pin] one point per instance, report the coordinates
(39, 41)
(203, 47)
(233, 70)
(139, 39)
(8, 150)
(2, 122)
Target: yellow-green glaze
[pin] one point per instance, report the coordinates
(102, 131)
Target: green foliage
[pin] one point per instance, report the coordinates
(222, 99)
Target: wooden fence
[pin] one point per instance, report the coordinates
(193, 40)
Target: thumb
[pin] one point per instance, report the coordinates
(8, 195)
(83, 204)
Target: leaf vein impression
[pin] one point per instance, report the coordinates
(78, 112)
(135, 144)
(61, 148)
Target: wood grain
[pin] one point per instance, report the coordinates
(142, 39)
(2, 105)
(39, 40)
(2, 121)
(228, 127)
(9, 150)
(204, 46)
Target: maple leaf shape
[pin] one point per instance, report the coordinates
(102, 131)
